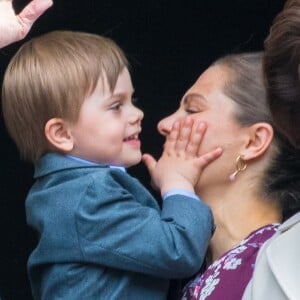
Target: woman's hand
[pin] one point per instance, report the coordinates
(181, 163)
(15, 27)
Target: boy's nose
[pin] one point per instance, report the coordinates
(137, 115)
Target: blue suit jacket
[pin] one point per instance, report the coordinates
(103, 236)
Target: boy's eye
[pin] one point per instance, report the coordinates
(116, 106)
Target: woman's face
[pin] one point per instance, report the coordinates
(205, 101)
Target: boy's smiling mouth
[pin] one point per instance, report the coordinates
(133, 140)
(131, 137)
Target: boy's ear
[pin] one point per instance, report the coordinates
(58, 134)
(260, 137)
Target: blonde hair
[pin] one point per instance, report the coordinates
(50, 76)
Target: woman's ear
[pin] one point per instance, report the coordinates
(260, 137)
(58, 134)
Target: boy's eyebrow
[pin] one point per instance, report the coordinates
(122, 93)
(196, 96)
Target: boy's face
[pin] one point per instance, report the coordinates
(109, 125)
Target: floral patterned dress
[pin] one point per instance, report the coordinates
(228, 276)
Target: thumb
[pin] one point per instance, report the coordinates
(149, 162)
(33, 10)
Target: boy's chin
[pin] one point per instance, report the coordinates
(133, 162)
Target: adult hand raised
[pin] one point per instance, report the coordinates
(15, 27)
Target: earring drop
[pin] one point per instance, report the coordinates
(240, 166)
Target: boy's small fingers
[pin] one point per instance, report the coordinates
(184, 135)
(209, 157)
(172, 138)
(149, 162)
(193, 146)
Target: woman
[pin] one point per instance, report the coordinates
(277, 269)
(243, 187)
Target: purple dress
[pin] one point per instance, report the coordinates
(228, 276)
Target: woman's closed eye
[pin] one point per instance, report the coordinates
(194, 103)
(191, 110)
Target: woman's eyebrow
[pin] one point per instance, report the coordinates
(193, 96)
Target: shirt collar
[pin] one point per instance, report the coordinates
(93, 163)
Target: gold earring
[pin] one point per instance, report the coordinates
(239, 166)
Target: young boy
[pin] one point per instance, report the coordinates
(67, 103)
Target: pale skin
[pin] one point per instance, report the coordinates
(239, 207)
(14, 27)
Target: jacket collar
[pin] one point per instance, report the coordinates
(290, 222)
(55, 162)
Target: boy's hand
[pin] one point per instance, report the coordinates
(15, 27)
(181, 163)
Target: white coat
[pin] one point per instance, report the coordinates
(277, 269)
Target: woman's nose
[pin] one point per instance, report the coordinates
(164, 126)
